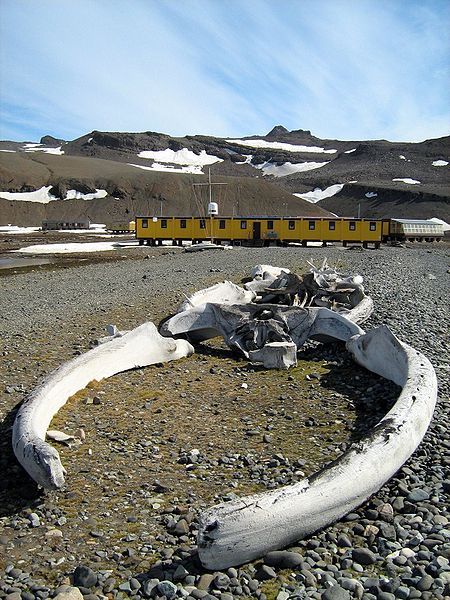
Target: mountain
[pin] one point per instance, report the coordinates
(112, 176)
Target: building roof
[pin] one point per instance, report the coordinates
(416, 222)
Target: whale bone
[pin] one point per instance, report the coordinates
(140, 347)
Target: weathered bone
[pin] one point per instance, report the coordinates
(250, 326)
(275, 355)
(267, 271)
(141, 347)
(321, 287)
(223, 293)
(237, 532)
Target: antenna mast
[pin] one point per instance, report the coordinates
(210, 211)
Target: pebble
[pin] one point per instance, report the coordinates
(364, 556)
(401, 531)
(72, 593)
(335, 592)
(84, 577)
(283, 559)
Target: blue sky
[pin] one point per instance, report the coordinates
(345, 69)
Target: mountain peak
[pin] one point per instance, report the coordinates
(277, 130)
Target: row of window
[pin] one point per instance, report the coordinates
(421, 228)
(291, 224)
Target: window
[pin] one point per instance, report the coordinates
(269, 224)
(243, 224)
(311, 225)
(373, 226)
(352, 226)
(202, 224)
(222, 224)
(183, 223)
(163, 223)
(145, 223)
(291, 225)
(331, 225)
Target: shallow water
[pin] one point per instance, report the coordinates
(16, 262)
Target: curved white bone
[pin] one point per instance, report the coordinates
(267, 271)
(208, 320)
(237, 532)
(138, 348)
(225, 292)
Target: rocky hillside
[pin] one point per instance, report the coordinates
(110, 177)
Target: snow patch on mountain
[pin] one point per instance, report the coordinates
(181, 157)
(439, 163)
(1, 150)
(371, 194)
(407, 180)
(39, 148)
(319, 194)
(43, 195)
(193, 169)
(76, 195)
(350, 151)
(280, 146)
(289, 168)
(247, 161)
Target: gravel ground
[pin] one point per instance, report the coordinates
(163, 443)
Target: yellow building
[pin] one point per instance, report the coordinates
(257, 230)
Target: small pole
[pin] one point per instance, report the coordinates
(210, 214)
(210, 184)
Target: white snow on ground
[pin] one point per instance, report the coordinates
(248, 158)
(40, 148)
(1, 150)
(435, 163)
(280, 146)
(349, 151)
(407, 180)
(17, 229)
(445, 226)
(371, 195)
(44, 197)
(319, 194)
(194, 170)
(75, 194)
(75, 247)
(402, 157)
(288, 168)
(181, 157)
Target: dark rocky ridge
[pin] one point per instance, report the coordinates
(100, 160)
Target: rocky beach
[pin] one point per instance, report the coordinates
(154, 447)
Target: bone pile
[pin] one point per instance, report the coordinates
(275, 314)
